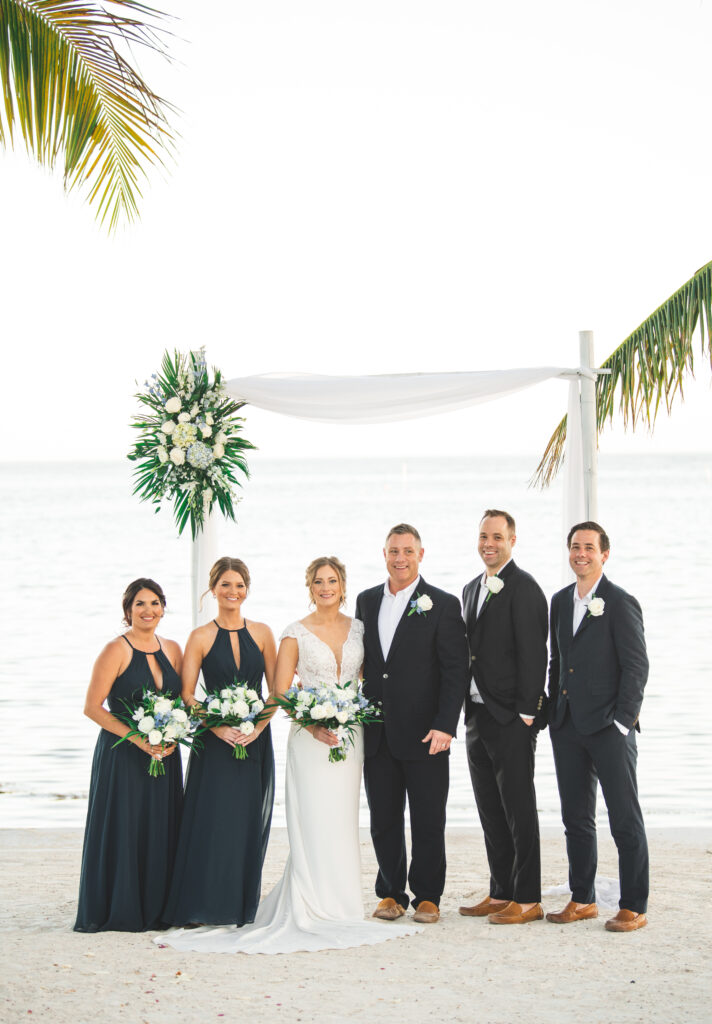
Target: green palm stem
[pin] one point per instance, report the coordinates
(649, 366)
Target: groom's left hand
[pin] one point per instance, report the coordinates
(439, 741)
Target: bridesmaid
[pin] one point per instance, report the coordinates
(132, 819)
(228, 803)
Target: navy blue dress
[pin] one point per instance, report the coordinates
(227, 808)
(132, 819)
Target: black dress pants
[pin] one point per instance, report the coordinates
(501, 762)
(581, 762)
(425, 782)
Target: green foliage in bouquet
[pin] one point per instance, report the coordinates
(190, 450)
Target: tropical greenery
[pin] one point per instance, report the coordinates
(649, 367)
(76, 98)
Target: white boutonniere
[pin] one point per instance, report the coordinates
(494, 584)
(420, 604)
(595, 607)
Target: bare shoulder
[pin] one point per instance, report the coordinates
(260, 631)
(171, 647)
(114, 656)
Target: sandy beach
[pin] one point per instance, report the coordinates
(458, 970)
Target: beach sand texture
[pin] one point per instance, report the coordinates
(458, 970)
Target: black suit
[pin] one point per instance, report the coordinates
(596, 678)
(508, 662)
(421, 685)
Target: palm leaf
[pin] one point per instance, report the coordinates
(73, 94)
(647, 368)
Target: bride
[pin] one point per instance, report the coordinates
(317, 904)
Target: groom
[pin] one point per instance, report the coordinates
(416, 664)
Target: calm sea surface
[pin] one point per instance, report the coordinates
(72, 536)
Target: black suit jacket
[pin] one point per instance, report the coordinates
(508, 645)
(423, 681)
(601, 671)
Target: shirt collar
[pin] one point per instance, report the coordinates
(403, 594)
(483, 578)
(589, 593)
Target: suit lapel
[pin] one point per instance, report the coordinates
(421, 589)
(599, 592)
(566, 617)
(370, 625)
(493, 598)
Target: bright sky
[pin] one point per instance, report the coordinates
(369, 186)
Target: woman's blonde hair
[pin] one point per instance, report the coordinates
(334, 563)
(223, 565)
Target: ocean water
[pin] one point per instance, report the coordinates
(72, 536)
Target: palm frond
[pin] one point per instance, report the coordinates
(73, 95)
(648, 368)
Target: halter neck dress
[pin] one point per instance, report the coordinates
(227, 808)
(132, 819)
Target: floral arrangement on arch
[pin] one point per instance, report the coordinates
(190, 449)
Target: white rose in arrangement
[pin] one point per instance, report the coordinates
(247, 728)
(177, 456)
(168, 427)
(224, 693)
(163, 706)
(184, 417)
(494, 584)
(206, 431)
(154, 737)
(258, 706)
(214, 706)
(179, 715)
(173, 405)
(342, 716)
(220, 437)
(596, 606)
(317, 712)
(146, 724)
(171, 732)
(251, 694)
(162, 454)
(225, 708)
(240, 708)
(194, 411)
(329, 709)
(209, 419)
(218, 451)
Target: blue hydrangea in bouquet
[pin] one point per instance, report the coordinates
(338, 707)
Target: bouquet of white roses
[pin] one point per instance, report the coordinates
(338, 708)
(161, 720)
(189, 448)
(238, 706)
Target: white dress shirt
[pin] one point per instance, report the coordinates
(580, 610)
(391, 612)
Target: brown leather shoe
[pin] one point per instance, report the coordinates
(483, 909)
(573, 912)
(626, 921)
(513, 914)
(426, 913)
(389, 910)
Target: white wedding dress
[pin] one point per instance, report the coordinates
(317, 904)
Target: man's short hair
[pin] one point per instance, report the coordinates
(402, 528)
(603, 539)
(490, 513)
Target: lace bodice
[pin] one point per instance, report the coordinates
(317, 663)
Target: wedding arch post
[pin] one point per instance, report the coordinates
(589, 430)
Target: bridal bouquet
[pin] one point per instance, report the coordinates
(338, 708)
(189, 449)
(238, 706)
(159, 719)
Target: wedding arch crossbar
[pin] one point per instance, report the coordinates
(387, 397)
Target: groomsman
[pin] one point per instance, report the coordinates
(506, 617)
(415, 663)
(597, 673)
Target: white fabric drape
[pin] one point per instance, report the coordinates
(386, 398)
(382, 398)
